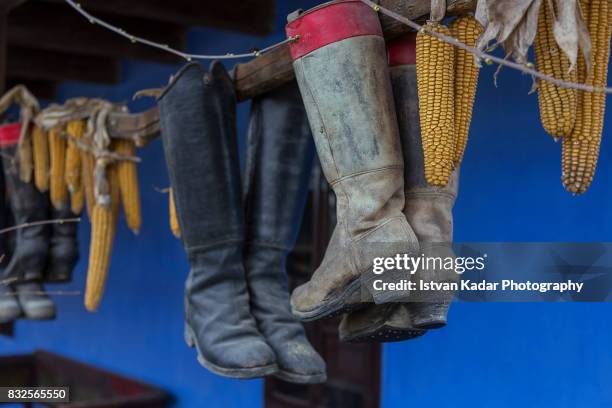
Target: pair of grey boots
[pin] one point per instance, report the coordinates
(237, 311)
(365, 123)
(35, 253)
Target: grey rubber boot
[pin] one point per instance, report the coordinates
(279, 156)
(29, 255)
(197, 113)
(63, 248)
(344, 81)
(429, 209)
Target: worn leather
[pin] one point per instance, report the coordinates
(279, 156)
(347, 93)
(63, 248)
(428, 208)
(27, 204)
(198, 111)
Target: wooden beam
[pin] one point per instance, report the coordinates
(36, 64)
(40, 89)
(248, 16)
(53, 27)
(275, 68)
(3, 46)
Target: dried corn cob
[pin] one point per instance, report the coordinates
(58, 191)
(557, 105)
(77, 200)
(40, 145)
(435, 66)
(72, 173)
(580, 151)
(174, 225)
(467, 30)
(87, 179)
(25, 156)
(128, 184)
(100, 250)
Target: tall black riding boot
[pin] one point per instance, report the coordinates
(29, 257)
(198, 111)
(63, 248)
(278, 164)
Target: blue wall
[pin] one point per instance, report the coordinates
(502, 355)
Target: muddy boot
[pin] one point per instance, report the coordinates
(428, 209)
(278, 164)
(197, 113)
(344, 80)
(29, 256)
(63, 248)
(379, 324)
(9, 306)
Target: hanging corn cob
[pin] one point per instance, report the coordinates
(87, 179)
(557, 105)
(25, 155)
(58, 191)
(72, 173)
(467, 30)
(103, 227)
(40, 145)
(580, 151)
(128, 184)
(77, 200)
(435, 66)
(174, 225)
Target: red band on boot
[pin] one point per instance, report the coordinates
(402, 50)
(9, 134)
(330, 23)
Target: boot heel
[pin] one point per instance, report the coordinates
(188, 336)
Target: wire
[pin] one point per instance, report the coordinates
(165, 47)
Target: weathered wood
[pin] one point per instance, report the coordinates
(42, 89)
(3, 47)
(52, 27)
(248, 16)
(36, 64)
(273, 69)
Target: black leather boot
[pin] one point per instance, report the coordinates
(63, 248)
(278, 164)
(29, 257)
(199, 134)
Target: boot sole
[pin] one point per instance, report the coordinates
(383, 334)
(236, 373)
(335, 306)
(300, 378)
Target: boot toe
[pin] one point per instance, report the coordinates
(298, 362)
(42, 309)
(9, 311)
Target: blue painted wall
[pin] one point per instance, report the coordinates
(503, 355)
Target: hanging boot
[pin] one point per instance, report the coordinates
(29, 257)
(197, 113)
(63, 248)
(344, 80)
(278, 164)
(429, 209)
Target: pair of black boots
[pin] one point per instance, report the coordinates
(32, 254)
(237, 311)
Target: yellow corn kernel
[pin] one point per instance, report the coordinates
(77, 200)
(40, 147)
(128, 184)
(467, 30)
(435, 66)
(580, 151)
(72, 173)
(557, 105)
(58, 191)
(100, 251)
(174, 225)
(87, 180)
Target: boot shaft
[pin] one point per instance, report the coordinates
(427, 208)
(279, 156)
(198, 120)
(344, 80)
